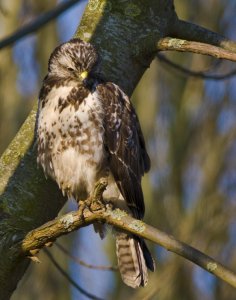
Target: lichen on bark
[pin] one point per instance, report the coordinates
(27, 200)
(125, 35)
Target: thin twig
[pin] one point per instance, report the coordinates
(200, 74)
(173, 44)
(82, 263)
(37, 23)
(67, 276)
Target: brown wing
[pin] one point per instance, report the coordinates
(125, 144)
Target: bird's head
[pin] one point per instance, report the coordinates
(74, 59)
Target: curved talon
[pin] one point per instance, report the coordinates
(98, 205)
(49, 244)
(83, 204)
(34, 259)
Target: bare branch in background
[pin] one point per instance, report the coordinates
(82, 263)
(199, 74)
(67, 276)
(37, 23)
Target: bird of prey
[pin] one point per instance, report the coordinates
(87, 129)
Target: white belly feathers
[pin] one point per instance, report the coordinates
(73, 141)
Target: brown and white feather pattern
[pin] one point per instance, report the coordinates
(87, 130)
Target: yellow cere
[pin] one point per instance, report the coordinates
(84, 75)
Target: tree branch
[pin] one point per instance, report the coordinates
(49, 232)
(199, 74)
(82, 263)
(192, 32)
(37, 23)
(67, 276)
(173, 44)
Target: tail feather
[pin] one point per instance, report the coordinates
(148, 257)
(133, 260)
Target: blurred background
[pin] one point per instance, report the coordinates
(190, 129)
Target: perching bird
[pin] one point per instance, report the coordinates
(87, 129)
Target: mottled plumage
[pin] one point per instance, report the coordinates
(87, 129)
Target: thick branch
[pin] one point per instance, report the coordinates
(193, 32)
(27, 200)
(173, 44)
(37, 238)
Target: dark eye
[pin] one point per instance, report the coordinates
(70, 69)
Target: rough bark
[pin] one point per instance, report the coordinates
(126, 34)
(27, 201)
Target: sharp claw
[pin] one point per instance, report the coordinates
(34, 259)
(49, 244)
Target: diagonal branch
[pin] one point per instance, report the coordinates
(67, 276)
(173, 44)
(199, 74)
(49, 232)
(37, 23)
(81, 262)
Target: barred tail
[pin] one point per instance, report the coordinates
(133, 260)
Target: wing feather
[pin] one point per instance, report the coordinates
(128, 158)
